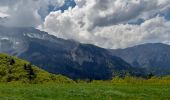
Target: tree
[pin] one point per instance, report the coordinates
(30, 72)
(11, 61)
(150, 75)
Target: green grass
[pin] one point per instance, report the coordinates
(20, 80)
(104, 91)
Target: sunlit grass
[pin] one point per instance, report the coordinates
(84, 91)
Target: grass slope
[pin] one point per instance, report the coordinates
(13, 69)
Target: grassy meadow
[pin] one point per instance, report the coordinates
(117, 89)
(20, 80)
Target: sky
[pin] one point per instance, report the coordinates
(106, 23)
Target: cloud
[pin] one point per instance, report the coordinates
(25, 12)
(2, 12)
(105, 23)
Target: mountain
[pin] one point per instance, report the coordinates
(66, 57)
(154, 57)
(13, 69)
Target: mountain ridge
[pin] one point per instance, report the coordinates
(59, 56)
(151, 56)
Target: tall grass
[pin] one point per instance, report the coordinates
(135, 80)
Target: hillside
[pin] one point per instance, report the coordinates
(13, 69)
(154, 57)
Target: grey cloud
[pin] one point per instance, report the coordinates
(25, 12)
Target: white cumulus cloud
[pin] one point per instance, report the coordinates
(105, 23)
